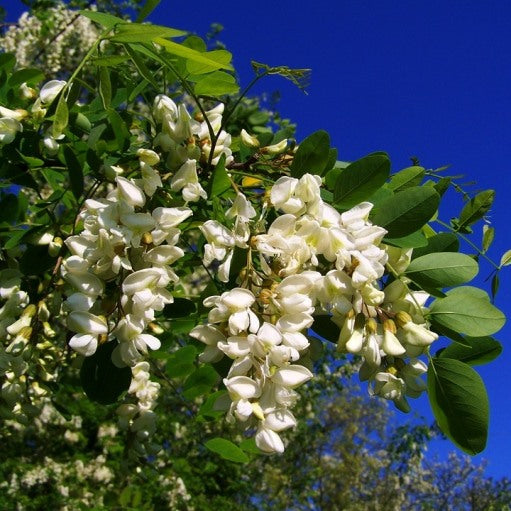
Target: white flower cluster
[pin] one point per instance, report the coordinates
(313, 260)
(132, 248)
(30, 35)
(262, 377)
(140, 418)
(188, 140)
(20, 390)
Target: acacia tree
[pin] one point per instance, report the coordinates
(164, 235)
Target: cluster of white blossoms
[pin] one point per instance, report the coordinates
(33, 36)
(120, 268)
(24, 330)
(262, 376)
(313, 260)
(188, 141)
(140, 418)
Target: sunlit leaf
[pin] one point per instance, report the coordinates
(361, 179)
(227, 450)
(468, 313)
(479, 350)
(312, 154)
(217, 83)
(442, 269)
(459, 402)
(406, 211)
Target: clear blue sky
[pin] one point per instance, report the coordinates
(423, 78)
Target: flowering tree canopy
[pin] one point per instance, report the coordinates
(161, 233)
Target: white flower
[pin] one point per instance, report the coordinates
(130, 192)
(186, 179)
(148, 156)
(50, 90)
(249, 140)
(83, 322)
(8, 129)
(292, 376)
(269, 441)
(242, 387)
(85, 344)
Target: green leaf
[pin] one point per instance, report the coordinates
(75, 171)
(300, 77)
(7, 61)
(414, 240)
(106, 20)
(141, 67)
(324, 327)
(459, 402)
(488, 236)
(220, 183)
(105, 87)
(101, 379)
(505, 260)
(61, 117)
(9, 208)
(36, 260)
(411, 176)
(312, 155)
(441, 242)
(480, 350)
(466, 312)
(361, 179)
(181, 362)
(148, 8)
(110, 60)
(215, 84)
(215, 405)
(143, 33)
(406, 211)
(332, 158)
(119, 128)
(180, 308)
(442, 269)
(476, 208)
(227, 450)
(198, 62)
(200, 382)
(28, 76)
(447, 332)
(442, 185)
(249, 445)
(495, 283)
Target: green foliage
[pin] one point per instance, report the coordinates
(406, 211)
(476, 351)
(227, 450)
(442, 269)
(460, 404)
(360, 180)
(467, 311)
(102, 380)
(312, 155)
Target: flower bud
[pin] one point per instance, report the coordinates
(54, 246)
(148, 156)
(391, 344)
(86, 323)
(278, 148)
(26, 92)
(20, 341)
(249, 140)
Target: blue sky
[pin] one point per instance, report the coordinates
(423, 78)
